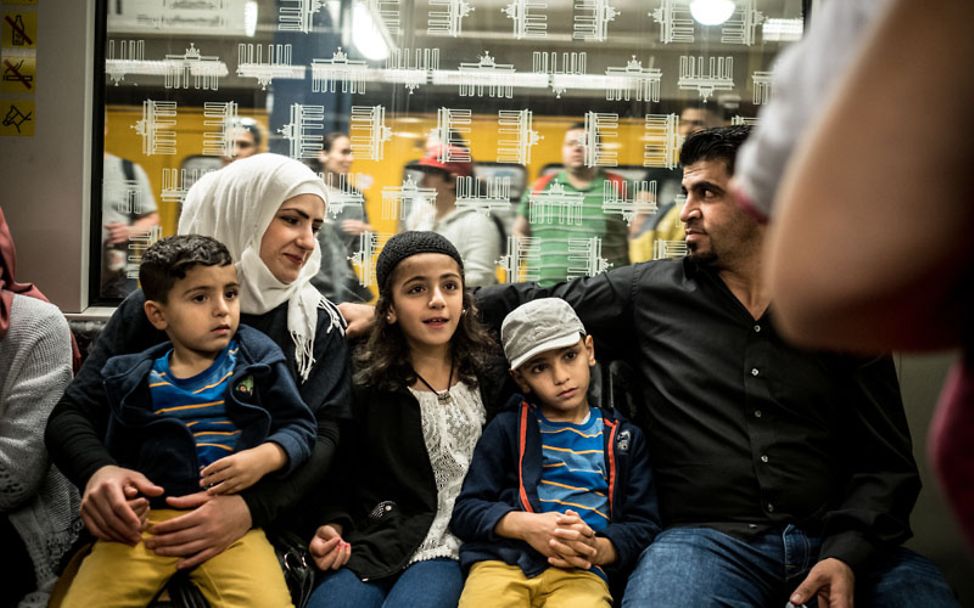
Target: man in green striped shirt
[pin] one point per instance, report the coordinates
(563, 213)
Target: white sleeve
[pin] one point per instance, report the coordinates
(804, 78)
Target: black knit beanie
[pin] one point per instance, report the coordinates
(410, 243)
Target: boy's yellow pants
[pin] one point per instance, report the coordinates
(246, 574)
(499, 585)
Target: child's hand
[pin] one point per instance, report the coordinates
(328, 548)
(536, 529)
(237, 472)
(573, 543)
(576, 546)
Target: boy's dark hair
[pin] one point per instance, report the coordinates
(575, 126)
(719, 143)
(169, 259)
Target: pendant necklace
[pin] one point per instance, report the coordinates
(442, 396)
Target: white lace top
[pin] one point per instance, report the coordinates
(451, 431)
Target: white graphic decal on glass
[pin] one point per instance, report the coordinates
(716, 75)
(491, 194)
(742, 26)
(556, 205)
(738, 120)
(265, 62)
(297, 15)
(629, 199)
(452, 127)
(368, 131)
(561, 68)
(599, 126)
(342, 191)
(399, 201)
(449, 20)
(176, 183)
(156, 128)
(591, 20)
(369, 244)
(585, 258)
(327, 73)
(669, 249)
(663, 141)
(517, 137)
(521, 260)
(304, 131)
(222, 120)
(205, 70)
(127, 57)
(528, 21)
(676, 23)
(762, 87)
(411, 68)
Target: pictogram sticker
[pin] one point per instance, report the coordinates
(17, 118)
(18, 73)
(18, 30)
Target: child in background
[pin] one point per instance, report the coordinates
(559, 495)
(214, 408)
(419, 407)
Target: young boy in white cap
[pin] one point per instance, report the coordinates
(559, 499)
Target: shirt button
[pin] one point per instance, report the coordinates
(757, 329)
(754, 371)
(770, 508)
(764, 458)
(758, 413)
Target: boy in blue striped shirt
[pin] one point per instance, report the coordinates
(559, 497)
(215, 408)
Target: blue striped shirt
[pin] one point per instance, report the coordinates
(574, 474)
(199, 403)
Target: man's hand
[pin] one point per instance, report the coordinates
(213, 524)
(114, 507)
(237, 472)
(328, 548)
(358, 316)
(831, 581)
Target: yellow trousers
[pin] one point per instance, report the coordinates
(246, 574)
(499, 585)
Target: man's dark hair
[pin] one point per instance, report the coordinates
(719, 143)
(169, 259)
(575, 126)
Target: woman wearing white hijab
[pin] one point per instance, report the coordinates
(265, 209)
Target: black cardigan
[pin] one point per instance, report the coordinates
(383, 491)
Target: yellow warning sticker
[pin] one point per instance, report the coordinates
(18, 72)
(16, 118)
(18, 30)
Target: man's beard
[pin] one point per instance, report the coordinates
(702, 258)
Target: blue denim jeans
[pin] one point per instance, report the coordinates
(434, 583)
(700, 567)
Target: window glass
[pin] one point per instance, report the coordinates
(568, 113)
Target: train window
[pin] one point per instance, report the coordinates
(592, 97)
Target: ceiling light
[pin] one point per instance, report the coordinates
(712, 12)
(367, 34)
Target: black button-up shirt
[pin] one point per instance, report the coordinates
(746, 431)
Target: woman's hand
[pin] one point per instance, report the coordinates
(328, 548)
(212, 525)
(114, 506)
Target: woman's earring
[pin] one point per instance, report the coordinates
(463, 312)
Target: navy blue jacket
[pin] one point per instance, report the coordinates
(504, 476)
(163, 448)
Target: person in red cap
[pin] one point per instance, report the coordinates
(472, 232)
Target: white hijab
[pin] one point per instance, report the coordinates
(235, 205)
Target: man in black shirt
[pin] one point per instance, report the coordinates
(782, 474)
